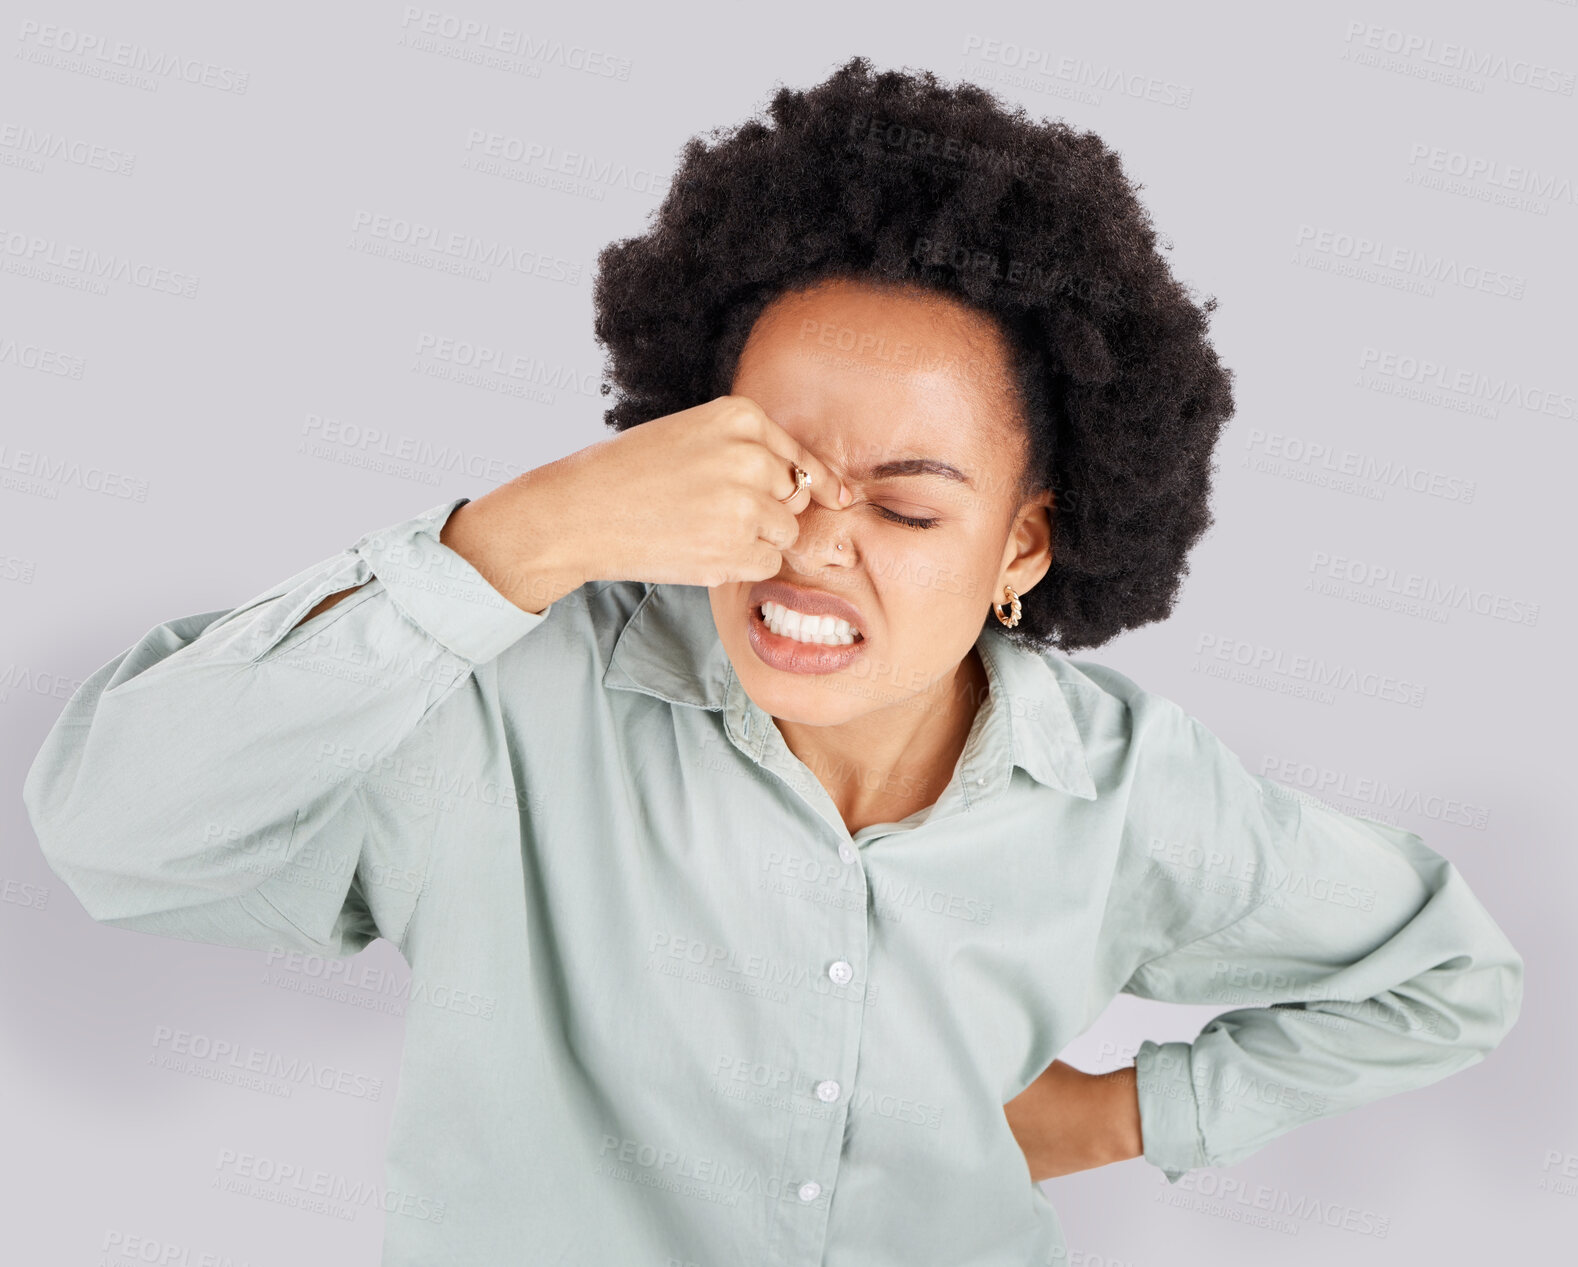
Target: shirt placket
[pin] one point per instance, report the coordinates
(826, 1014)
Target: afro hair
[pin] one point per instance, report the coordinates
(893, 177)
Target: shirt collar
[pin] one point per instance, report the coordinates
(670, 648)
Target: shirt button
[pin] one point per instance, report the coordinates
(827, 1090)
(846, 853)
(810, 1191)
(981, 780)
(841, 973)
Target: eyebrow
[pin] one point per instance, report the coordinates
(911, 466)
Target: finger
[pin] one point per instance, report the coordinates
(825, 488)
(762, 562)
(778, 525)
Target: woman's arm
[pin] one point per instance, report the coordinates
(517, 539)
(1347, 959)
(1068, 1120)
(1365, 968)
(207, 783)
(1367, 992)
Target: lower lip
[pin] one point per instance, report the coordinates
(791, 656)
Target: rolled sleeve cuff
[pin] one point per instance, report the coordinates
(1169, 1109)
(438, 590)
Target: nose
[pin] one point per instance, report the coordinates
(824, 538)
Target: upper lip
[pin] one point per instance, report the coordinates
(810, 602)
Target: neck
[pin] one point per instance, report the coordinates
(894, 761)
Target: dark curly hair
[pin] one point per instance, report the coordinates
(894, 178)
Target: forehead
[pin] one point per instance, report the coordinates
(862, 373)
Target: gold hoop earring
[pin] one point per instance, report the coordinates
(1013, 599)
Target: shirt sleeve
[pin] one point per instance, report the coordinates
(1360, 962)
(208, 783)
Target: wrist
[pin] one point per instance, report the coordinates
(1124, 1137)
(517, 538)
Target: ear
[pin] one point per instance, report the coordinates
(1028, 552)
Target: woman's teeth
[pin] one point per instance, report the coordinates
(828, 631)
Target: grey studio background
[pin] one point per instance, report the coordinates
(236, 333)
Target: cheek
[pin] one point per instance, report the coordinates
(921, 578)
(728, 606)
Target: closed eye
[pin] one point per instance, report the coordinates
(905, 519)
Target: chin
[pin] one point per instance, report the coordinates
(810, 700)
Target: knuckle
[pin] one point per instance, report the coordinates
(742, 410)
(768, 463)
(743, 507)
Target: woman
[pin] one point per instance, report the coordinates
(754, 852)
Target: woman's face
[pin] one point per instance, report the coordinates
(871, 379)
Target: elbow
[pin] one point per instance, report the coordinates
(1480, 987)
(1500, 987)
(1489, 1001)
(1509, 988)
(105, 879)
(54, 844)
(47, 799)
(62, 841)
(74, 873)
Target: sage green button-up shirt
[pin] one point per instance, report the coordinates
(665, 1008)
